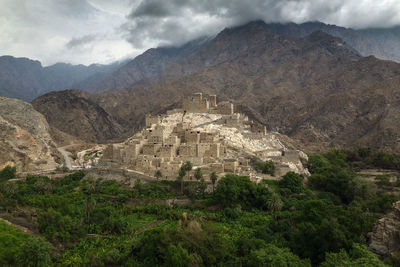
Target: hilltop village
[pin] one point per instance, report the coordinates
(212, 136)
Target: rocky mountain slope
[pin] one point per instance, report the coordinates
(384, 240)
(74, 113)
(364, 45)
(149, 64)
(24, 138)
(26, 79)
(153, 62)
(316, 89)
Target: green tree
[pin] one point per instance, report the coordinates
(177, 256)
(274, 204)
(213, 178)
(292, 181)
(34, 252)
(8, 173)
(233, 190)
(203, 186)
(274, 256)
(359, 255)
(158, 174)
(268, 167)
(181, 174)
(188, 166)
(198, 174)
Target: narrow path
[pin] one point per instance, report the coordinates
(67, 160)
(148, 226)
(23, 229)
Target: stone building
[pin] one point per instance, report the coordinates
(168, 141)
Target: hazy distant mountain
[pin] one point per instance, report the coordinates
(26, 79)
(383, 43)
(316, 88)
(365, 46)
(388, 39)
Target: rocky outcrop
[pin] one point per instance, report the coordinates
(72, 112)
(25, 140)
(385, 239)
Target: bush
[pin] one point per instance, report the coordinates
(293, 182)
(20, 249)
(8, 173)
(274, 256)
(382, 180)
(233, 190)
(268, 167)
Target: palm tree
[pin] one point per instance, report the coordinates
(203, 186)
(188, 166)
(213, 178)
(158, 174)
(90, 203)
(181, 174)
(198, 174)
(274, 204)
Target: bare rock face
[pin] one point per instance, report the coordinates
(385, 238)
(73, 113)
(24, 137)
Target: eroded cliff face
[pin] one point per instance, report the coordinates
(385, 239)
(25, 141)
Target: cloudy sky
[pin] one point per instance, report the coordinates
(102, 31)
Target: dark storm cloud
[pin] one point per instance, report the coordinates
(177, 21)
(60, 30)
(80, 41)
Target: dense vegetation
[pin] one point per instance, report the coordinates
(101, 222)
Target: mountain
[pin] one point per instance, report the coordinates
(26, 79)
(161, 64)
(67, 76)
(387, 38)
(149, 64)
(72, 112)
(365, 46)
(21, 78)
(25, 139)
(316, 89)
(383, 43)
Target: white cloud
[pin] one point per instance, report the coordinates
(42, 29)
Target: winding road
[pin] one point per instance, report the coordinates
(67, 161)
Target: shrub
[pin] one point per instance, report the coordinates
(382, 180)
(8, 173)
(293, 182)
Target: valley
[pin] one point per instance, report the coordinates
(265, 144)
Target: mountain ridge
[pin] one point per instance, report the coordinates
(316, 89)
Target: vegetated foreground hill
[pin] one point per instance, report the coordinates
(230, 221)
(25, 140)
(74, 113)
(315, 89)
